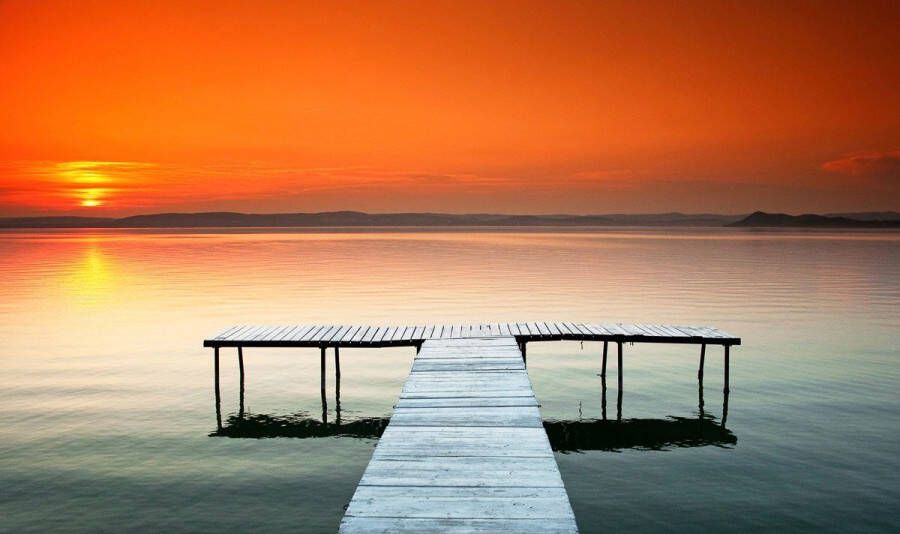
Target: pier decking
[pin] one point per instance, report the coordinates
(387, 336)
(465, 449)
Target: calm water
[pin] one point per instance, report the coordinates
(108, 403)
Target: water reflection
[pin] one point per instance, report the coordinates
(647, 434)
(701, 404)
(93, 278)
(565, 436)
(298, 425)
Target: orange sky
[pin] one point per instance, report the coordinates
(113, 108)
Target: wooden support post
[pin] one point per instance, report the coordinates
(324, 400)
(337, 400)
(603, 396)
(603, 367)
(702, 361)
(727, 349)
(337, 363)
(725, 409)
(524, 359)
(241, 394)
(337, 384)
(727, 389)
(322, 366)
(619, 400)
(218, 392)
(620, 364)
(700, 394)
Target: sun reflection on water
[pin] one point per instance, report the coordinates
(94, 278)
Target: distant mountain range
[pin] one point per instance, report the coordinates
(359, 219)
(761, 219)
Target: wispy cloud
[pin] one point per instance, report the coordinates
(55, 186)
(877, 165)
(129, 186)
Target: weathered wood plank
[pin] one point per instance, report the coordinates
(298, 333)
(250, 332)
(465, 393)
(417, 333)
(460, 502)
(348, 335)
(225, 333)
(360, 334)
(523, 442)
(373, 333)
(531, 472)
(311, 332)
(417, 525)
(475, 364)
(336, 333)
(285, 334)
(466, 402)
(262, 333)
(318, 336)
(388, 333)
(232, 333)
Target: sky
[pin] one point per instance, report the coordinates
(112, 108)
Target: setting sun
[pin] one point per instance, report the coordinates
(523, 107)
(92, 197)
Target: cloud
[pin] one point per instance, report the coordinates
(67, 185)
(878, 165)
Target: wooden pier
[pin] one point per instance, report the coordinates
(387, 336)
(465, 449)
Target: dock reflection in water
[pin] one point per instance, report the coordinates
(699, 430)
(298, 425)
(648, 434)
(565, 436)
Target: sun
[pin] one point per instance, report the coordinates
(92, 197)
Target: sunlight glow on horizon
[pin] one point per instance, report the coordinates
(508, 107)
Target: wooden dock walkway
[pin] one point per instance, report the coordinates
(465, 449)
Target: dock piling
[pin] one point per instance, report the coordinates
(218, 392)
(702, 361)
(603, 368)
(324, 399)
(603, 396)
(337, 363)
(322, 367)
(700, 394)
(724, 409)
(727, 389)
(619, 373)
(337, 400)
(240, 352)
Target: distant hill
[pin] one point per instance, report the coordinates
(761, 219)
(869, 215)
(360, 219)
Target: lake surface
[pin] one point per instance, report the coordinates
(108, 402)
